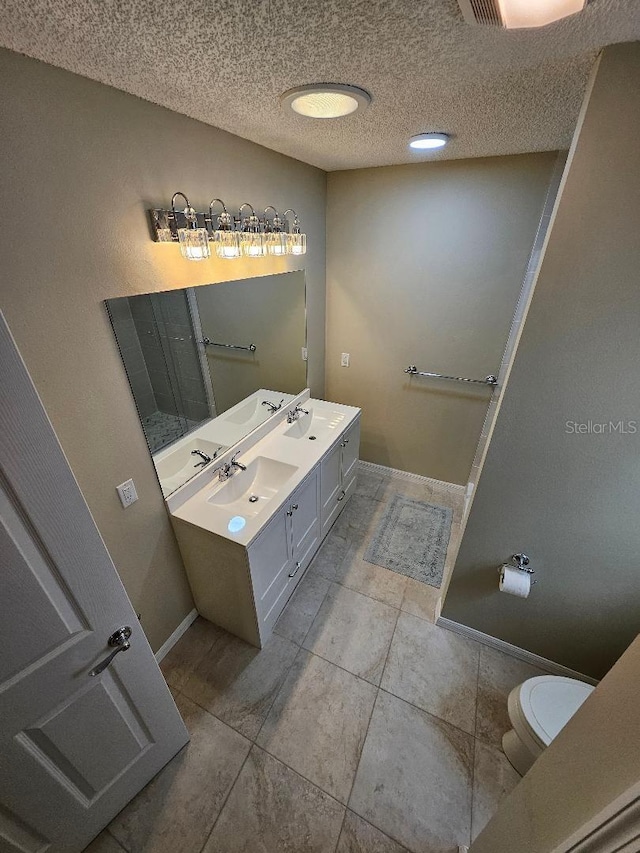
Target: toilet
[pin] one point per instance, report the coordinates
(538, 709)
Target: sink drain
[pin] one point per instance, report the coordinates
(253, 499)
(312, 438)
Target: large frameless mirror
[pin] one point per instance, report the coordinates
(207, 365)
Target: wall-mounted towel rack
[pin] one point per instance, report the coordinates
(412, 370)
(208, 343)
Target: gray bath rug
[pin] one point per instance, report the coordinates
(411, 539)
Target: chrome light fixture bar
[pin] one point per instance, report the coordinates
(231, 236)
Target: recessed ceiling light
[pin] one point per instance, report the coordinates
(428, 141)
(326, 100)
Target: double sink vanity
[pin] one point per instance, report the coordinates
(249, 524)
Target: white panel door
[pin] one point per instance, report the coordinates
(350, 451)
(74, 747)
(305, 522)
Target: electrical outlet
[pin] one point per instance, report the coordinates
(344, 361)
(127, 493)
(305, 354)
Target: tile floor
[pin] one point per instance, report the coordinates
(360, 728)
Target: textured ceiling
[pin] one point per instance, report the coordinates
(226, 62)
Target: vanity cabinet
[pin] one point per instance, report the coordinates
(338, 475)
(279, 556)
(242, 576)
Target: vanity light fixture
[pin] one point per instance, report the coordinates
(296, 240)
(252, 239)
(428, 141)
(275, 235)
(231, 236)
(325, 100)
(225, 238)
(194, 241)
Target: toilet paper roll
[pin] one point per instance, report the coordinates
(515, 581)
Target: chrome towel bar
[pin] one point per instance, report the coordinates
(208, 343)
(412, 370)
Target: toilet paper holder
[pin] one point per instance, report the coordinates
(521, 562)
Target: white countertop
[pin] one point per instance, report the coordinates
(298, 456)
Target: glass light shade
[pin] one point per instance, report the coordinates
(194, 243)
(297, 244)
(277, 243)
(537, 13)
(253, 244)
(227, 244)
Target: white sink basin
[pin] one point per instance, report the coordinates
(316, 424)
(247, 493)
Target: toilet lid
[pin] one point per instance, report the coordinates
(549, 701)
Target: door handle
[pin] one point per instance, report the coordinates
(120, 640)
(292, 509)
(342, 494)
(344, 443)
(295, 571)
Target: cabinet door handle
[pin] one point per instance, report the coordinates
(295, 571)
(344, 443)
(341, 495)
(292, 509)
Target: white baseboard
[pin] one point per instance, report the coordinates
(514, 651)
(170, 642)
(407, 475)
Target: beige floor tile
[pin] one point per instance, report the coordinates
(415, 778)
(358, 836)
(353, 631)
(104, 843)
(420, 599)
(177, 809)
(272, 809)
(374, 581)
(493, 779)
(434, 669)
(303, 607)
(182, 659)
(499, 673)
(238, 683)
(330, 555)
(318, 723)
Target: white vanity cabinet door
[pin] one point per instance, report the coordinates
(305, 524)
(331, 486)
(270, 564)
(350, 444)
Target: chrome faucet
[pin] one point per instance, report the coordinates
(204, 458)
(272, 406)
(227, 469)
(294, 414)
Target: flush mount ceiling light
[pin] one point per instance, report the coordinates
(518, 14)
(428, 141)
(325, 100)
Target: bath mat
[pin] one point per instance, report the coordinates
(411, 539)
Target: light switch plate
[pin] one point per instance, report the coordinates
(344, 361)
(127, 493)
(305, 354)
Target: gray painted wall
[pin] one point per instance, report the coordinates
(86, 162)
(424, 266)
(572, 501)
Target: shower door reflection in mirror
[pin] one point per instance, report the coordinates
(207, 365)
